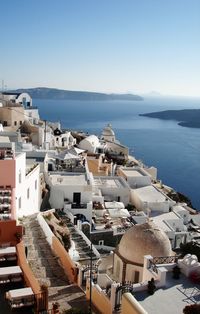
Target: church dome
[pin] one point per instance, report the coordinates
(108, 131)
(144, 239)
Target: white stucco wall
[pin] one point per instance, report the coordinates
(155, 201)
(61, 191)
(32, 183)
(27, 203)
(20, 173)
(32, 115)
(135, 177)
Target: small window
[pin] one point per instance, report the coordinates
(35, 184)
(20, 203)
(101, 242)
(28, 193)
(15, 122)
(20, 122)
(5, 123)
(20, 176)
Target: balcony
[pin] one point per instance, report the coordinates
(6, 154)
(68, 205)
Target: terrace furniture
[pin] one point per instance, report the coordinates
(8, 254)
(6, 251)
(9, 272)
(20, 297)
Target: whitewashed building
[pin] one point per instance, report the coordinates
(92, 144)
(135, 176)
(149, 198)
(27, 192)
(113, 188)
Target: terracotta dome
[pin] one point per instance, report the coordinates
(144, 239)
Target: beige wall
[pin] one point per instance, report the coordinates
(29, 278)
(12, 114)
(130, 305)
(67, 263)
(99, 299)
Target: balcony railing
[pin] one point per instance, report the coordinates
(165, 259)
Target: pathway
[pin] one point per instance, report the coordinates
(47, 270)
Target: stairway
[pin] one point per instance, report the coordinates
(80, 244)
(46, 267)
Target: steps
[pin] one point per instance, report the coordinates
(42, 261)
(46, 268)
(81, 245)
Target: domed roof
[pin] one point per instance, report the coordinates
(108, 131)
(144, 239)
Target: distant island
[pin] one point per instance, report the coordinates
(61, 94)
(188, 117)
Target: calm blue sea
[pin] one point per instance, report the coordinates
(173, 149)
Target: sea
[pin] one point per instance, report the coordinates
(174, 150)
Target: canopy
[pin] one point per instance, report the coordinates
(67, 156)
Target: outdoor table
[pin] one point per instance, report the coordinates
(12, 270)
(20, 297)
(20, 293)
(10, 250)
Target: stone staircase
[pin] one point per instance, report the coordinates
(46, 267)
(81, 245)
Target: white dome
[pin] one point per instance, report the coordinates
(190, 260)
(90, 143)
(108, 131)
(144, 239)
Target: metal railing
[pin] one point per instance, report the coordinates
(165, 259)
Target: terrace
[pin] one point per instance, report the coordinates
(13, 293)
(170, 299)
(111, 216)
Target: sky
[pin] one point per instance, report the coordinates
(134, 46)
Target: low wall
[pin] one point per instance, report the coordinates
(45, 227)
(67, 263)
(99, 299)
(58, 249)
(29, 277)
(130, 305)
(104, 280)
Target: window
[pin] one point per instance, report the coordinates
(35, 184)
(20, 176)
(136, 277)
(5, 123)
(20, 203)
(28, 193)
(101, 242)
(15, 122)
(20, 122)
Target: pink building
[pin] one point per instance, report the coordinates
(7, 182)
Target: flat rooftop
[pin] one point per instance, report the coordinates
(170, 299)
(110, 182)
(160, 220)
(150, 194)
(68, 179)
(131, 172)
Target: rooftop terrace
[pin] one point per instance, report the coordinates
(171, 299)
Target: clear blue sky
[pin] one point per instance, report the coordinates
(102, 45)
